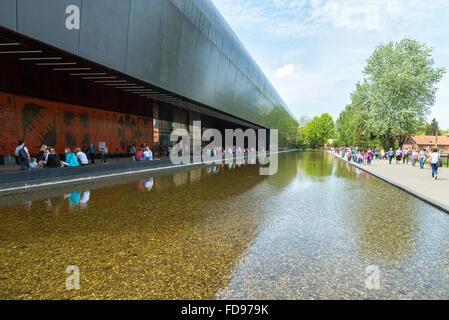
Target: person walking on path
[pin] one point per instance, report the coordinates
(391, 154)
(414, 157)
(91, 153)
(23, 156)
(398, 156)
(405, 156)
(434, 162)
(422, 158)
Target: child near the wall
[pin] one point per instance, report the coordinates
(33, 163)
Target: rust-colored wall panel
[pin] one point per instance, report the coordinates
(38, 120)
(8, 124)
(63, 125)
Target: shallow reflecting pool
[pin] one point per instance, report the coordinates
(225, 232)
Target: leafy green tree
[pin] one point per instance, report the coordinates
(394, 97)
(300, 136)
(319, 130)
(400, 79)
(433, 129)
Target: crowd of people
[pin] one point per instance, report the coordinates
(142, 153)
(48, 158)
(401, 155)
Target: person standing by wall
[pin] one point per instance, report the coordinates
(23, 156)
(434, 162)
(91, 153)
(104, 153)
(133, 152)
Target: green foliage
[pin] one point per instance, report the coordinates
(319, 130)
(300, 135)
(394, 97)
(433, 129)
(287, 126)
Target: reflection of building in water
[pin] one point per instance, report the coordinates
(195, 175)
(252, 159)
(181, 178)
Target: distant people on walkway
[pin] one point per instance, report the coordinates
(390, 155)
(414, 157)
(91, 153)
(22, 156)
(422, 158)
(432, 156)
(435, 162)
(406, 153)
(398, 156)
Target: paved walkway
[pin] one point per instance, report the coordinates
(414, 180)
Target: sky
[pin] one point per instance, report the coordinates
(314, 51)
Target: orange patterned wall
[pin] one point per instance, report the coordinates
(62, 125)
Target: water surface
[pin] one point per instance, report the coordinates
(225, 232)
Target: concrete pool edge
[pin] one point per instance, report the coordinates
(414, 193)
(79, 180)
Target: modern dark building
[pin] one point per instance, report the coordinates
(133, 71)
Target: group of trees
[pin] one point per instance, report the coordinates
(433, 129)
(394, 98)
(315, 132)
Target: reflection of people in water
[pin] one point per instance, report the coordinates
(75, 199)
(84, 199)
(147, 184)
(28, 205)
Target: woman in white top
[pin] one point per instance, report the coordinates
(148, 154)
(82, 157)
(434, 162)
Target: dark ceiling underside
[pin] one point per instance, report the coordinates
(33, 68)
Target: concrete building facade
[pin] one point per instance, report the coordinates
(132, 71)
